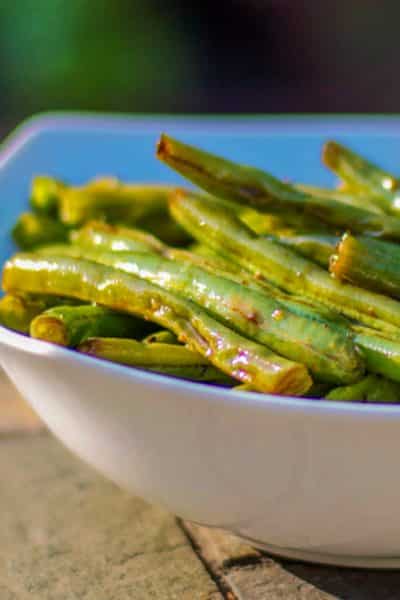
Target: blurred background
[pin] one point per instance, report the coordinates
(204, 57)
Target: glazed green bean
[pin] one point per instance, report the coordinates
(71, 325)
(329, 354)
(243, 387)
(256, 188)
(316, 247)
(264, 223)
(370, 389)
(381, 353)
(17, 311)
(371, 264)
(31, 231)
(120, 239)
(236, 356)
(110, 199)
(174, 360)
(286, 269)
(45, 194)
(113, 238)
(361, 174)
(116, 238)
(161, 337)
(217, 266)
(360, 198)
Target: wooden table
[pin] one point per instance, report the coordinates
(68, 534)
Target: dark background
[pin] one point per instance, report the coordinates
(213, 56)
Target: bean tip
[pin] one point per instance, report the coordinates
(163, 147)
(330, 154)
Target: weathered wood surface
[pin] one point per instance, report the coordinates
(252, 575)
(67, 534)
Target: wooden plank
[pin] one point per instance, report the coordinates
(66, 533)
(252, 575)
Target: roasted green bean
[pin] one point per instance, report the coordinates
(361, 174)
(261, 190)
(17, 311)
(271, 261)
(231, 353)
(45, 194)
(316, 247)
(174, 360)
(369, 389)
(353, 197)
(116, 238)
(71, 325)
(31, 231)
(161, 337)
(110, 199)
(371, 264)
(381, 355)
(329, 354)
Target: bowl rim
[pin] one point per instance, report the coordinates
(54, 120)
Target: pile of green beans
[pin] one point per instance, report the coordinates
(257, 284)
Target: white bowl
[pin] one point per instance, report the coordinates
(306, 479)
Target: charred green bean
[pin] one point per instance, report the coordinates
(17, 311)
(32, 230)
(286, 269)
(328, 353)
(261, 190)
(71, 325)
(370, 389)
(161, 337)
(371, 264)
(178, 361)
(361, 174)
(233, 354)
(45, 194)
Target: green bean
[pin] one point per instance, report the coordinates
(236, 356)
(359, 198)
(266, 223)
(120, 239)
(286, 269)
(178, 361)
(313, 242)
(371, 264)
(316, 247)
(45, 194)
(216, 265)
(380, 354)
(116, 238)
(361, 174)
(258, 189)
(370, 389)
(327, 353)
(31, 231)
(161, 337)
(110, 199)
(71, 325)
(165, 229)
(17, 311)
(243, 387)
